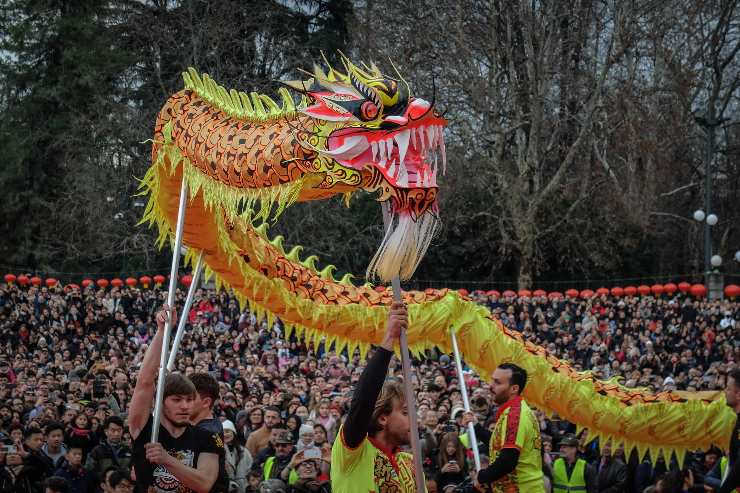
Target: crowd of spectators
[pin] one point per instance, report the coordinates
(68, 360)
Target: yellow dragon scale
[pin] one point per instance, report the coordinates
(199, 137)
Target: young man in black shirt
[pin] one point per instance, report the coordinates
(186, 458)
(206, 396)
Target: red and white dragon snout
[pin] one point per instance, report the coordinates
(408, 157)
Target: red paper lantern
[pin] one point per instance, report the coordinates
(493, 292)
(72, 287)
(657, 289)
(670, 288)
(159, 279)
(145, 280)
(10, 278)
(51, 282)
(36, 281)
(540, 293)
(630, 290)
(617, 292)
(698, 291)
(187, 279)
(23, 280)
(116, 283)
(684, 287)
(602, 292)
(732, 290)
(525, 293)
(86, 283)
(586, 294)
(643, 290)
(131, 282)
(555, 295)
(509, 294)
(572, 293)
(102, 283)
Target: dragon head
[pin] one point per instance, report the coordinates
(368, 129)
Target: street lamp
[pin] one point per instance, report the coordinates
(699, 215)
(716, 260)
(712, 219)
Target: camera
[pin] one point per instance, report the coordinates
(451, 426)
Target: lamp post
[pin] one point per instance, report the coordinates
(712, 277)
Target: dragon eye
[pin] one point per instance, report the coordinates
(368, 110)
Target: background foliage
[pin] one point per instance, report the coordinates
(576, 142)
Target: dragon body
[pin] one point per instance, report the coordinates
(245, 158)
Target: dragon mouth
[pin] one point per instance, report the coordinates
(408, 157)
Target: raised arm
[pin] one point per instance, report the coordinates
(141, 402)
(368, 388)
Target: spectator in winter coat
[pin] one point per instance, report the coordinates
(18, 477)
(238, 459)
(79, 479)
(111, 452)
(54, 447)
(611, 471)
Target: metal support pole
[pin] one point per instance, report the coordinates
(708, 158)
(466, 400)
(185, 310)
(407, 383)
(171, 303)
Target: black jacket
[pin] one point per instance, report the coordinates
(103, 456)
(612, 478)
(28, 480)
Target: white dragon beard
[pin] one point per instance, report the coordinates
(404, 245)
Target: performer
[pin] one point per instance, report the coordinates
(365, 455)
(516, 462)
(731, 474)
(186, 457)
(207, 395)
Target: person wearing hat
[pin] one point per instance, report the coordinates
(274, 465)
(307, 470)
(571, 473)
(238, 459)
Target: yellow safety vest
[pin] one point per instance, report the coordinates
(292, 477)
(560, 481)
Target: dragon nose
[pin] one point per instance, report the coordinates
(396, 119)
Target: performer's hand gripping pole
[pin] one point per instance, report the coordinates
(466, 401)
(185, 310)
(171, 304)
(407, 383)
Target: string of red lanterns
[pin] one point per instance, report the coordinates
(695, 290)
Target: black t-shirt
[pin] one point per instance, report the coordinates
(186, 448)
(214, 426)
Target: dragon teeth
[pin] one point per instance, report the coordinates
(402, 139)
(374, 147)
(412, 134)
(381, 153)
(389, 144)
(392, 168)
(430, 136)
(403, 177)
(444, 156)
